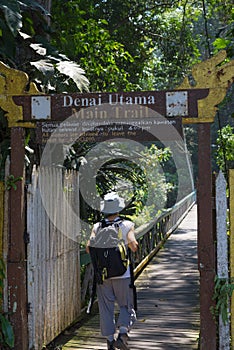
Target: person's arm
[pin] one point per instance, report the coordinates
(88, 243)
(132, 242)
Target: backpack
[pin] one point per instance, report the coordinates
(108, 251)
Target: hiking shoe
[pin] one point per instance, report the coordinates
(122, 342)
(110, 345)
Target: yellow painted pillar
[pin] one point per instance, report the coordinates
(231, 186)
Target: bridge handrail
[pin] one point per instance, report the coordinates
(141, 230)
(151, 236)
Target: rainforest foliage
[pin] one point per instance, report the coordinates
(116, 45)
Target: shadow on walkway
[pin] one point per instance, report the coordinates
(168, 300)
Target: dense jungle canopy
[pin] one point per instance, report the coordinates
(118, 45)
(121, 44)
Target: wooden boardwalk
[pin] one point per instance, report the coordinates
(168, 300)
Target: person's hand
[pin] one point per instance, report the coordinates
(87, 247)
(132, 242)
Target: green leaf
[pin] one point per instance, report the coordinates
(44, 66)
(221, 43)
(7, 331)
(75, 72)
(34, 5)
(12, 15)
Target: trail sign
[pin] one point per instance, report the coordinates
(101, 116)
(60, 106)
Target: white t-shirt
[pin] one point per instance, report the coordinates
(125, 227)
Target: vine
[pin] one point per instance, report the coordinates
(222, 294)
(11, 182)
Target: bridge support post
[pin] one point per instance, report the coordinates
(16, 264)
(206, 245)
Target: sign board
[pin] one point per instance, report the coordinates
(135, 130)
(100, 116)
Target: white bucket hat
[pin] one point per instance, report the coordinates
(112, 203)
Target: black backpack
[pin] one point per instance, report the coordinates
(108, 251)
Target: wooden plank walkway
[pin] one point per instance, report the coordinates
(168, 299)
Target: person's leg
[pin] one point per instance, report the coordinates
(124, 298)
(111, 345)
(106, 303)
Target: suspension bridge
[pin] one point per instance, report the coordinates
(168, 299)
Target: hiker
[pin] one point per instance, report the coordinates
(118, 288)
